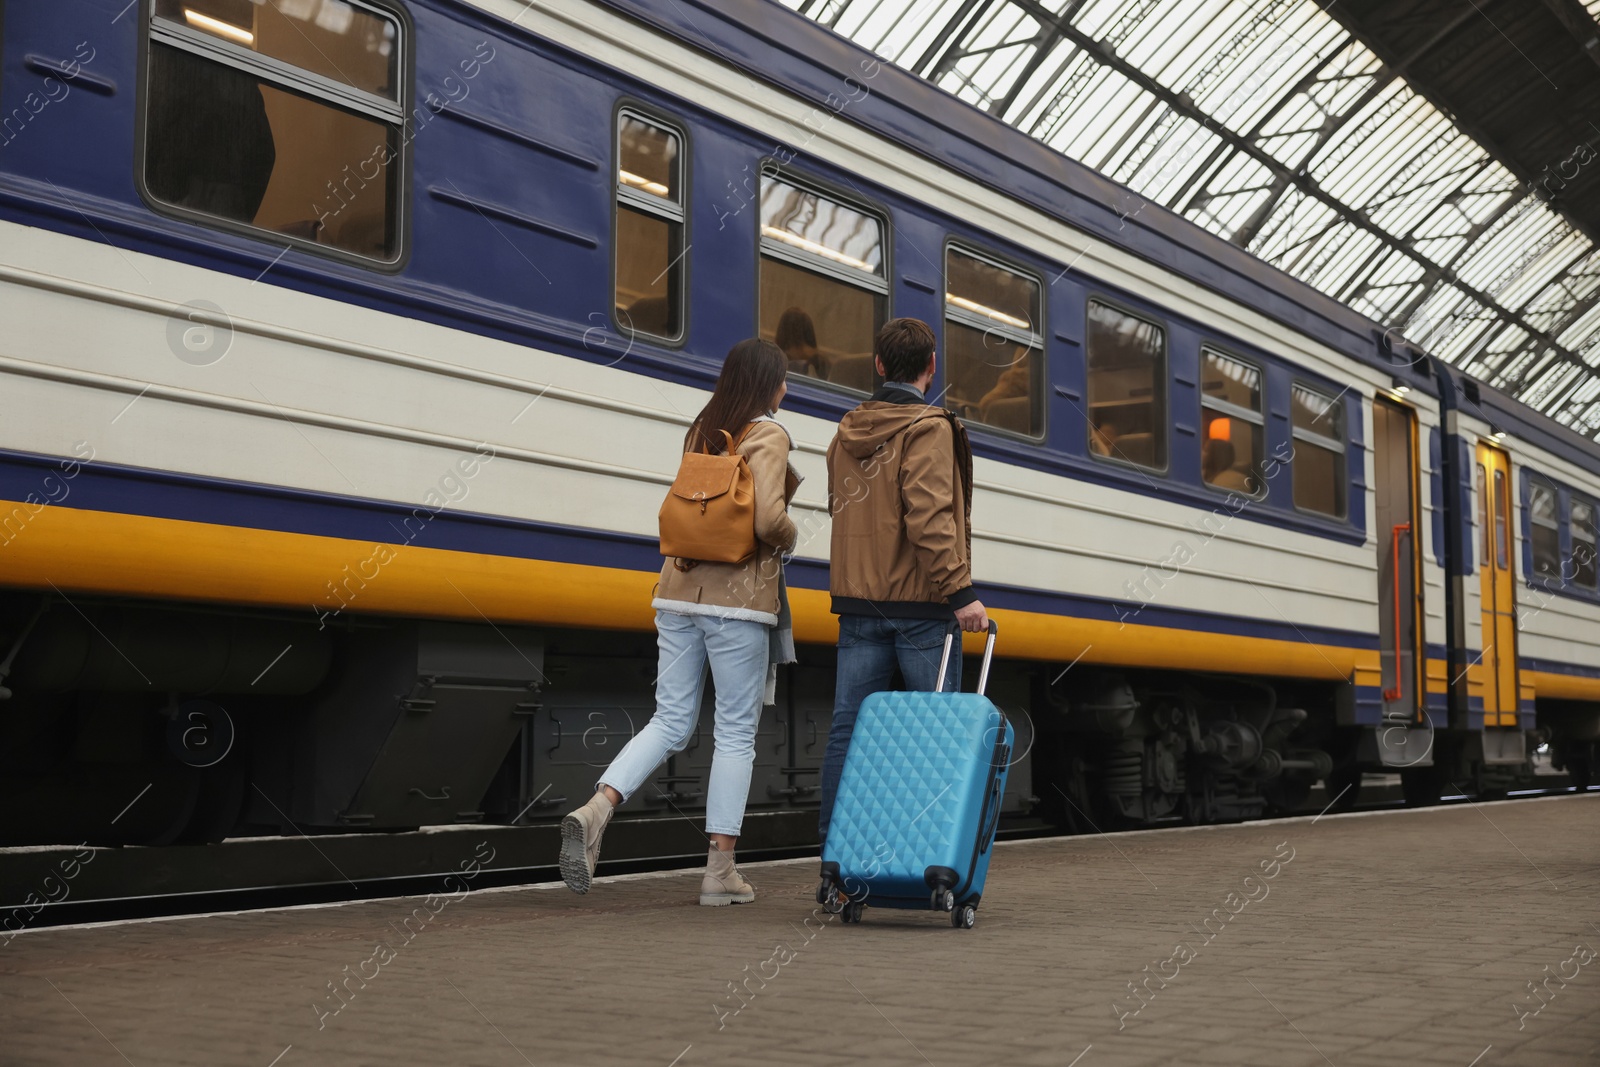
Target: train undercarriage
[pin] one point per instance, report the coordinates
(1135, 748)
(143, 723)
(1122, 749)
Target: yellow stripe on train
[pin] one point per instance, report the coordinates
(1560, 686)
(108, 553)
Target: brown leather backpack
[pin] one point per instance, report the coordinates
(710, 511)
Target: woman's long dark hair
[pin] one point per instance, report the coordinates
(750, 377)
(795, 328)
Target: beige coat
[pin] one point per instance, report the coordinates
(900, 491)
(747, 590)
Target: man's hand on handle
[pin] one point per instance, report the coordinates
(972, 617)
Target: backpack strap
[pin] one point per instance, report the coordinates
(732, 441)
(961, 449)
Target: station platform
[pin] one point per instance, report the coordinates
(1462, 936)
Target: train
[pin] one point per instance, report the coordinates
(349, 350)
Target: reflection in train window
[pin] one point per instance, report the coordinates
(823, 289)
(1482, 486)
(1585, 567)
(1502, 523)
(1319, 468)
(649, 243)
(1231, 423)
(1127, 387)
(1544, 531)
(993, 344)
(342, 42)
(279, 115)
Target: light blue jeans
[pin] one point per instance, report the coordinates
(738, 653)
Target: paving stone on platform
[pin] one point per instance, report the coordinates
(1399, 938)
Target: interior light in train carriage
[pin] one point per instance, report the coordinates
(987, 312)
(220, 28)
(816, 247)
(639, 182)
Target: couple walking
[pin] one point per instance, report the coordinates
(900, 494)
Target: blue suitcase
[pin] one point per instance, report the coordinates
(918, 802)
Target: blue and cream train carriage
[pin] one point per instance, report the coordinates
(349, 345)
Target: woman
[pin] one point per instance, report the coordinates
(724, 613)
(797, 336)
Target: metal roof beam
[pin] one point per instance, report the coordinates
(1380, 82)
(934, 62)
(1046, 45)
(1373, 40)
(1183, 105)
(1577, 311)
(1579, 23)
(1419, 41)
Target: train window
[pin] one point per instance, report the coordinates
(1502, 527)
(333, 41)
(824, 293)
(1483, 516)
(1230, 415)
(1585, 567)
(279, 115)
(1544, 531)
(1319, 471)
(650, 221)
(993, 344)
(1127, 387)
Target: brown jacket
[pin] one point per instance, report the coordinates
(747, 590)
(900, 493)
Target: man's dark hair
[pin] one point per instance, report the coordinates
(905, 346)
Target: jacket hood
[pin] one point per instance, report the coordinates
(864, 429)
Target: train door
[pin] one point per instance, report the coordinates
(1497, 586)
(1395, 492)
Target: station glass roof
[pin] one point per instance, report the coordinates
(1272, 125)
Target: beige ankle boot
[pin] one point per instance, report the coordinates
(723, 884)
(580, 842)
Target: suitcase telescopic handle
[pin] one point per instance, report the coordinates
(988, 654)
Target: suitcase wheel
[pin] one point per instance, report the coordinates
(852, 911)
(964, 917)
(942, 900)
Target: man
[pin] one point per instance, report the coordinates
(900, 492)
